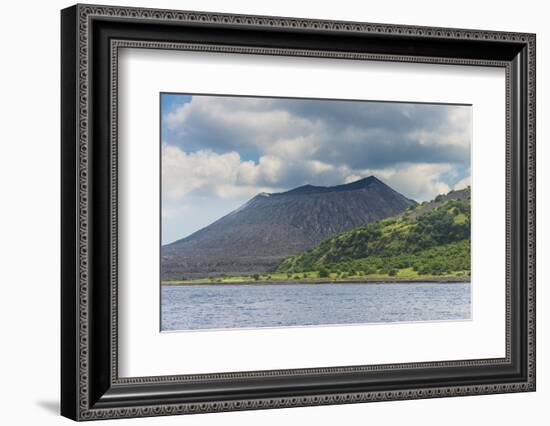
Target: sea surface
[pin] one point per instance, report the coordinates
(200, 307)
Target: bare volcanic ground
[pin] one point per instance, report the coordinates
(255, 237)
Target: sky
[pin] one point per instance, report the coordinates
(220, 151)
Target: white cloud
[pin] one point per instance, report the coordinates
(183, 173)
(290, 148)
(227, 176)
(221, 151)
(179, 116)
(222, 175)
(462, 183)
(237, 123)
(420, 182)
(321, 130)
(454, 131)
(353, 177)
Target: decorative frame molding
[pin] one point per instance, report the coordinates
(91, 388)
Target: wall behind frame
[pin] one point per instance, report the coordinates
(29, 218)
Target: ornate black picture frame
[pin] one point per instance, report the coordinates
(91, 388)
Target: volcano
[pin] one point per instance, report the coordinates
(255, 237)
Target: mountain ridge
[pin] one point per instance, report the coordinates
(351, 186)
(269, 227)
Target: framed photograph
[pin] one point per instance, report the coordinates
(263, 212)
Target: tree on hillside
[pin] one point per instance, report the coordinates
(323, 273)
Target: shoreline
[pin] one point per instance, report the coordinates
(363, 281)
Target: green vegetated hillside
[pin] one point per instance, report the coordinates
(429, 239)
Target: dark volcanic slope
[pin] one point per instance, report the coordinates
(269, 227)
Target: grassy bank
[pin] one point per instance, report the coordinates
(401, 275)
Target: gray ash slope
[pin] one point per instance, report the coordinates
(258, 235)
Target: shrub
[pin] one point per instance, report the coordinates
(323, 273)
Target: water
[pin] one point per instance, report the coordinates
(193, 307)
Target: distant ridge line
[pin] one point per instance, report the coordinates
(352, 186)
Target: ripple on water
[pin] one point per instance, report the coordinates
(250, 306)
